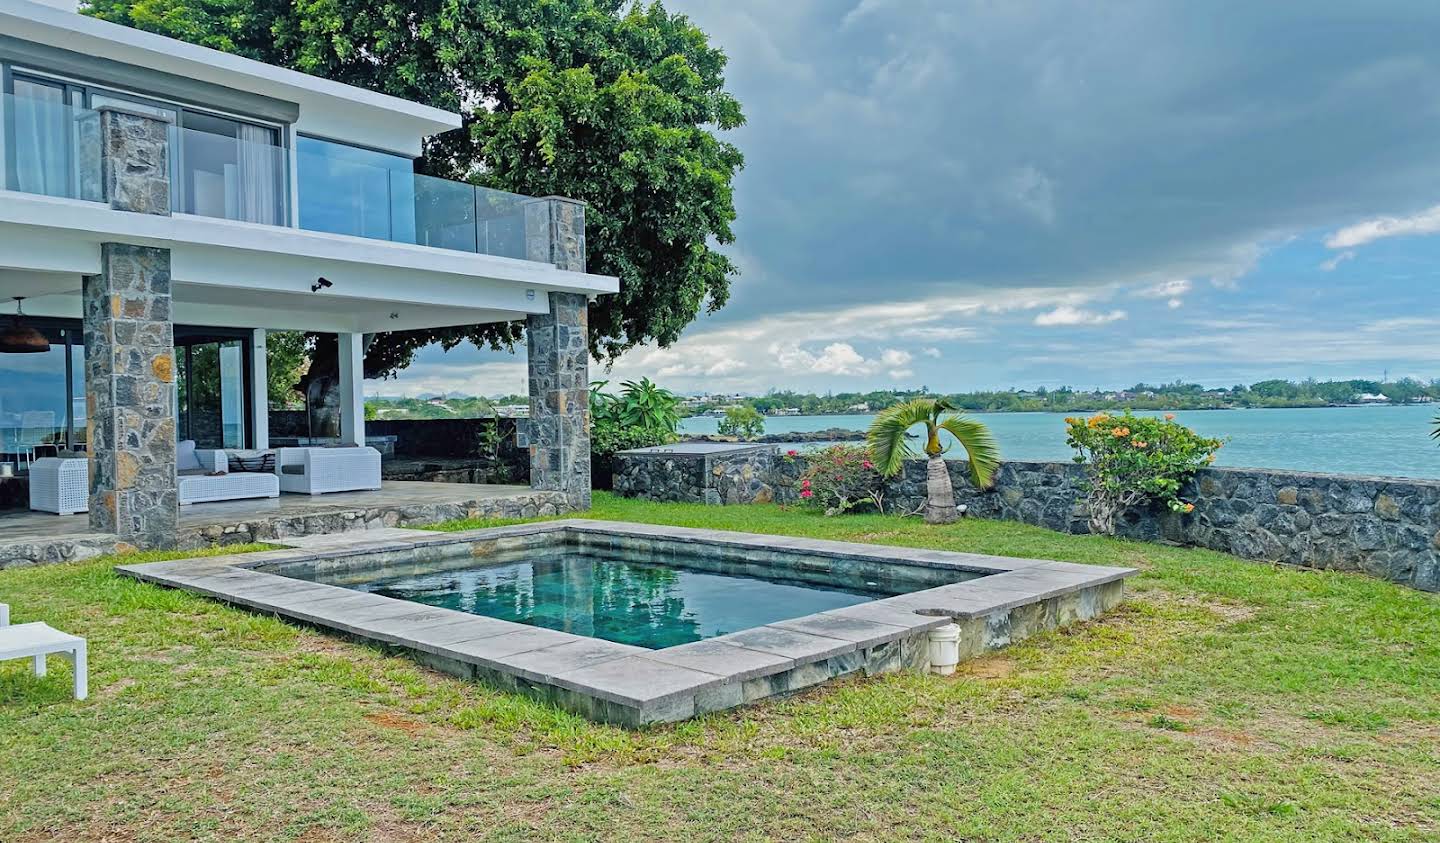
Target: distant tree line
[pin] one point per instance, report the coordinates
(1172, 396)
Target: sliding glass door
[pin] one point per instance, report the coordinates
(211, 391)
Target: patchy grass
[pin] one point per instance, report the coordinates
(1224, 700)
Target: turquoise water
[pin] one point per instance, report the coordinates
(622, 600)
(1342, 440)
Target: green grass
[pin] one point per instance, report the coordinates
(1224, 700)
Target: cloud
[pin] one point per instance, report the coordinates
(1329, 265)
(1172, 291)
(1359, 234)
(1068, 315)
(931, 352)
(935, 146)
(897, 363)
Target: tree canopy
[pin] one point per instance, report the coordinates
(618, 106)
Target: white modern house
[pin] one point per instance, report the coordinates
(163, 205)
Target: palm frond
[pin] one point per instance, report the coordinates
(886, 436)
(980, 447)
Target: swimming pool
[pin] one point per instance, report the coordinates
(636, 624)
(645, 598)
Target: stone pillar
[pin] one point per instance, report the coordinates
(558, 346)
(130, 347)
(135, 160)
(555, 232)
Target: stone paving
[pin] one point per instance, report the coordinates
(1004, 600)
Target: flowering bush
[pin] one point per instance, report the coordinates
(841, 478)
(1136, 459)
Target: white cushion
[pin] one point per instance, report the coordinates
(185, 459)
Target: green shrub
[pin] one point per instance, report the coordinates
(640, 416)
(1133, 460)
(840, 478)
(742, 422)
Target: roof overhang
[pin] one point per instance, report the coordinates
(327, 109)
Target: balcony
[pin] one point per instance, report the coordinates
(231, 171)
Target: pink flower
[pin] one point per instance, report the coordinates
(792, 453)
(868, 465)
(806, 493)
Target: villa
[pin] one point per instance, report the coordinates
(164, 205)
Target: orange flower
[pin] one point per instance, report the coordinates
(1189, 507)
(1169, 417)
(1137, 443)
(1120, 432)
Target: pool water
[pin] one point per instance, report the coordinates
(600, 594)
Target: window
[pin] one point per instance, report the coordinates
(229, 169)
(38, 415)
(220, 166)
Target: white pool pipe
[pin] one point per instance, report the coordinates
(944, 649)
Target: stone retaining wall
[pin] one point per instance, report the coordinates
(280, 525)
(1386, 527)
(722, 474)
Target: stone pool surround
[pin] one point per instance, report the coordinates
(1009, 600)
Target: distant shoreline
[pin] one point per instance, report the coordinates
(1100, 410)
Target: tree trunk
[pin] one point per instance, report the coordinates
(321, 385)
(940, 505)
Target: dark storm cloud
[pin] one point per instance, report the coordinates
(916, 146)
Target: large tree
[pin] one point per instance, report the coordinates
(618, 106)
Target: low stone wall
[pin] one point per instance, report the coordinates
(1383, 526)
(698, 473)
(281, 525)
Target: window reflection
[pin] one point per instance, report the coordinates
(33, 403)
(360, 192)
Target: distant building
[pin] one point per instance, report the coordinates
(1373, 398)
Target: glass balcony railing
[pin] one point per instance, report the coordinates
(238, 177)
(54, 150)
(342, 194)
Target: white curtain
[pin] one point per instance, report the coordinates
(41, 139)
(260, 168)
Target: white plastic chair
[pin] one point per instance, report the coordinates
(37, 640)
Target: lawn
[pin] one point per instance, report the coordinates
(1224, 700)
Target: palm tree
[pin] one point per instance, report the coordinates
(890, 450)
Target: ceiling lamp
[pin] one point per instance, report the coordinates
(20, 338)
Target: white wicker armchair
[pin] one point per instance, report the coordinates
(316, 471)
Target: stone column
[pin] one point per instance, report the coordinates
(130, 347)
(559, 357)
(555, 232)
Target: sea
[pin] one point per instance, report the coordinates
(1378, 440)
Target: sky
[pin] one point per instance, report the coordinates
(980, 195)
